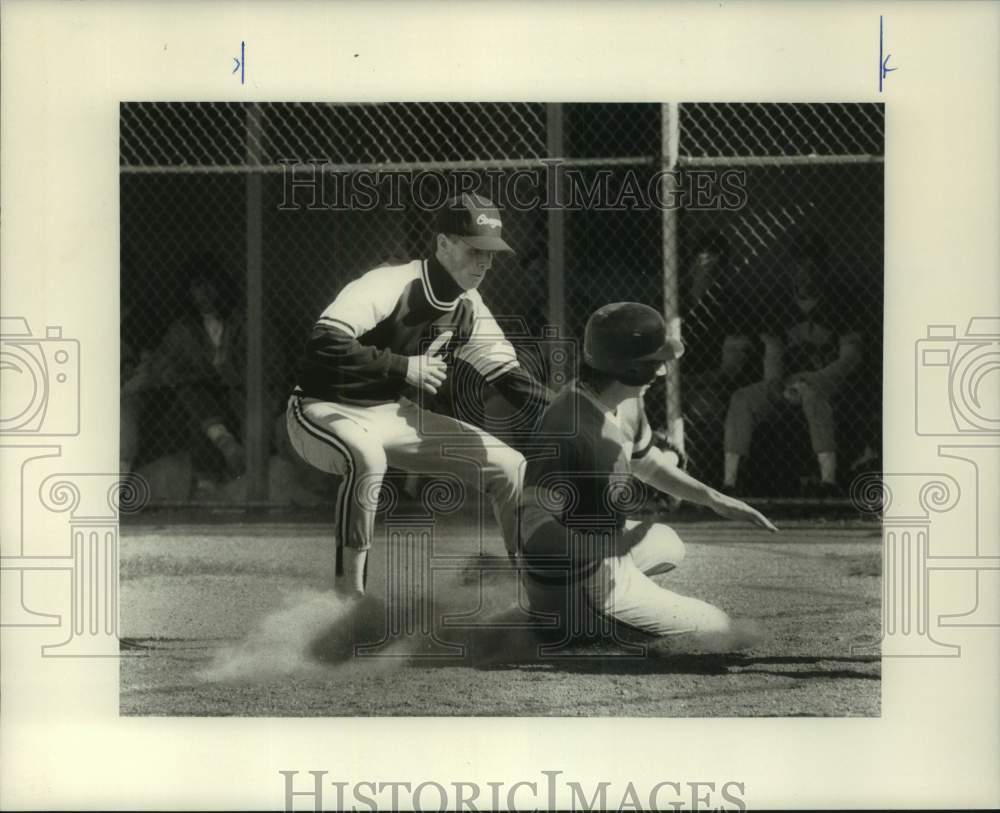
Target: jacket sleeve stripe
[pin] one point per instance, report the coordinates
(330, 321)
(501, 370)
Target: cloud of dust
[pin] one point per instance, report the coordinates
(316, 630)
(280, 643)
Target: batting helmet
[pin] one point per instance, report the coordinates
(628, 340)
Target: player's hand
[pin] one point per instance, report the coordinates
(731, 508)
(793, 392)
(798, 385)
(428, 371)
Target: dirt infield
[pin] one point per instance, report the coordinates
(237, 620)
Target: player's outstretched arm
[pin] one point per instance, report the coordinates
(732, 508)
(656, 469)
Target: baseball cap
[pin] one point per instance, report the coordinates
(473, 218)
(624, 333)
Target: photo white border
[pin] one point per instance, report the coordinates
(65, 68)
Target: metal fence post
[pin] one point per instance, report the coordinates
(670, 140)
(556, 307)
(256, 436)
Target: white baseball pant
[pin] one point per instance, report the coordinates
(621, 587)
(359, 442)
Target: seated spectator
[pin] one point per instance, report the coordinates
(812, 348)
(718, 355)
(201, 360)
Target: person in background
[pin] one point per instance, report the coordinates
(812, 348)
(202, 359)
(719, 358)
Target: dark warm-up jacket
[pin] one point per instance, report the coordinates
(357, 352)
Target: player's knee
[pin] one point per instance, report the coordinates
(508, 465)
(368, 459)
(669, 547)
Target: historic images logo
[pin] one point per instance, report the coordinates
(40, 402)
(957, 396)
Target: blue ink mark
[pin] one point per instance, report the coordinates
(241, 62)
(883, 58)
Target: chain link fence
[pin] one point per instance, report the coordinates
(756, 228)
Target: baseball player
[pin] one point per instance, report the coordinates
(582, 556)
(378, 350)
